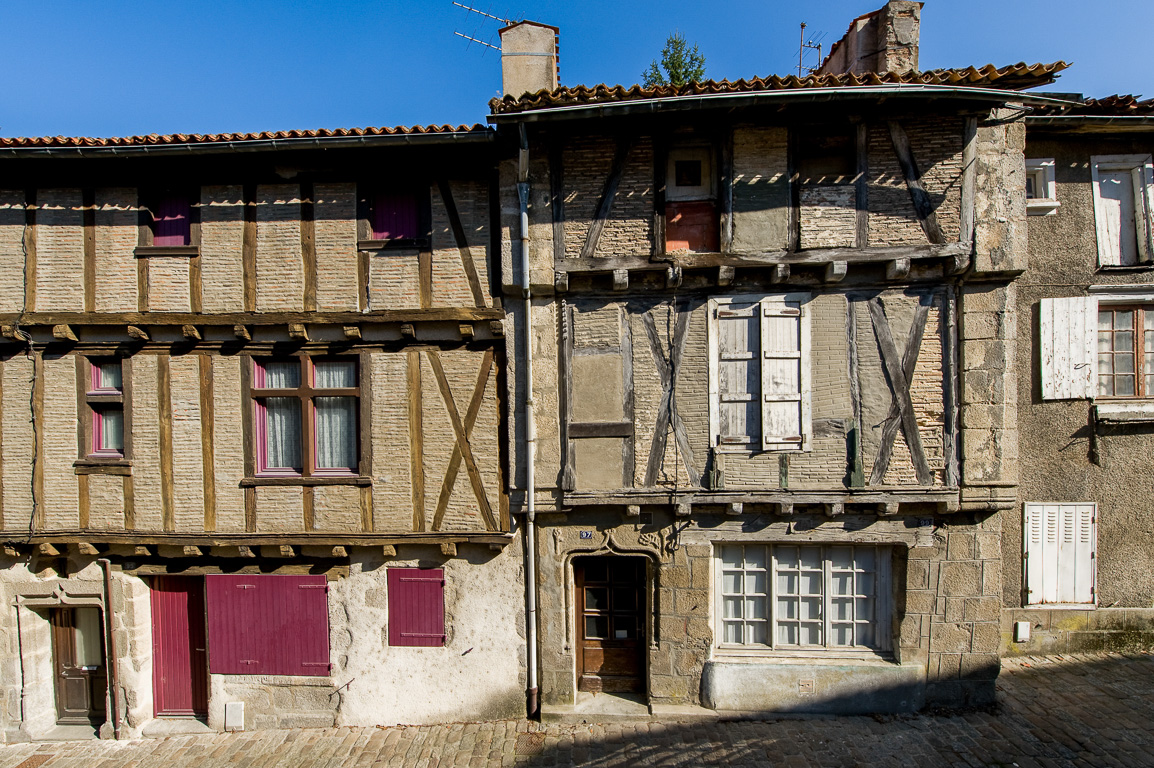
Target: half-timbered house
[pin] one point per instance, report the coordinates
(764, 428)
(1078, 572)
(250, 444)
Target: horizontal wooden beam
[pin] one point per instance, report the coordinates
(187, 539)
(439, 314)
(602, 429)
(182, 568)
(818, 257)
(945, 499)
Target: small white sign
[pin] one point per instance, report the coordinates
(622, 634)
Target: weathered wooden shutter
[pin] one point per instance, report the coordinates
(1060, 544)
(1142, 214)
(268, 625)
(784, 373)
(738, 377)
(1068, 329)
(417, 606)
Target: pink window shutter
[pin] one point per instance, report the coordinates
(268, 625)
(417, 607)
(394, 216)
(171, 221)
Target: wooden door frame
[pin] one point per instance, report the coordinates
(58, 633)
(155, 668)
(646, 624)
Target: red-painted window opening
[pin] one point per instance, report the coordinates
(417, 607)
(394, 216)
(171, 221)
(268, 625)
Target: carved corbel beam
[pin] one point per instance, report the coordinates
(63, 333)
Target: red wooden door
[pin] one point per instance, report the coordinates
(179, 671)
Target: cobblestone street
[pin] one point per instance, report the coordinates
(1054, 711)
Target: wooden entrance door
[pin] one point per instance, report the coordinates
(78, 658)
(610, 626)
(179, 658)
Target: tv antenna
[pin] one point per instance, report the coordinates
(473, 38)
(813, 44)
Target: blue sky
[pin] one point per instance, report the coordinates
(119, 68)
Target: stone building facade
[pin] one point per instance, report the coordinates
(1077, 566)
(771, 472)
(252, 443)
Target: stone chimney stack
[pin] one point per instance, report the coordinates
(529, 58)
(885, 40)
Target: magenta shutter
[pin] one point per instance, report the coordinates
(394, 216)
(170, 221)
(417, 606)
(268, 625)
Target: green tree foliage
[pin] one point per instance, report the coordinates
(679, 65)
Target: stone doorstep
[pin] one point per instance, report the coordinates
(162, 727)
(608, 708)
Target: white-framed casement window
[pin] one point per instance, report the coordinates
(1060, 549)
(1123, 201)
(803, 597)
(759, 377)
(1041, 190)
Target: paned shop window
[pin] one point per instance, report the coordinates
(803, 597)
(1060, 544)
(1125, 351)
(305, 413)
(1123, 199)
(103, 432)
(759, 373)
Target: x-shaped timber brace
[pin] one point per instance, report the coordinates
(667, 369)
(899, 374)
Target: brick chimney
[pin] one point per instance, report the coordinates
(885, 40)
(529, 53)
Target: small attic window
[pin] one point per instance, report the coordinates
(826, 157)
(689, 175)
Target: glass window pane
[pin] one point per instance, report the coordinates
(865, 609)
(731, 632)
(1105, 363)
(787, 583)
(866, 635)
(811, 557)
(596, 569)
(842, 583)
(111, 437)
(787, 608)
(731, 557)
(757, 632)
(865, 584)
(596, 599)
(787, 634)
(810, 608)
(624, 599)
(731, 608)
(1105, 320)
(731, 582)
(1124, 385)
(1124, 363)
(810, 634)
(811, 582)
(336, 432)
(1123, 319)
(624, 628)
(755, 557)
(755, 608)
(755, 583)
(841, 558)
(864, 558)
(1105, 341)
(282, 433)
(597, 626)
(89, 633)
(334, 373)
(842, 634)
(108, 376)
(786, 557)
(1105, 386)
(278, 374)
(841, 608)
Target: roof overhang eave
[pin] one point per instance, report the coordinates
(1091, 123)
(729, 100)
(257, 145)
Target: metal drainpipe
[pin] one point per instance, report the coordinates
(530, 429)
(110, 644)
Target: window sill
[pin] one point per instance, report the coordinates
(1125, 412)
(400, 244)
(764, 655)
(1042, 207)
(147, 251)
(1061, 607)
(256, 482)
(98, 465)
(1144, 267)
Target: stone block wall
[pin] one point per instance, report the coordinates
(1064, 630)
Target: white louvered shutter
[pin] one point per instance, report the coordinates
(1060, 553)
(1068, 331)
(738, 380)
(784, 373)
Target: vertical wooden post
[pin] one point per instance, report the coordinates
(30, 249)
(38, 439)
(195, 268)
(207, 427)
(309, 246)
(164, 417)
(861, 188)
(416, 438)
(88, 213)
(248, 248)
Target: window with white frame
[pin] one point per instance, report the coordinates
(1041, 190)
(1060, 548)
(759, 372)
(1097, 347)
(803, 597)
(1123, 199)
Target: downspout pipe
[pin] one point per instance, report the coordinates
(532, 703)
(110, 645)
